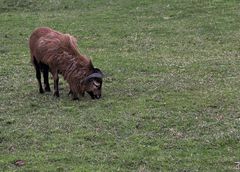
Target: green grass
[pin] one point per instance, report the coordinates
(170, 96)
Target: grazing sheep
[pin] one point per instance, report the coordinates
(57, 52)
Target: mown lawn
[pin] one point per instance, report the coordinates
(170, 96)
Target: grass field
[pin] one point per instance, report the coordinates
(170, 96)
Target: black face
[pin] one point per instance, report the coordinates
(94, 84)
(95, 88)
(94, 96)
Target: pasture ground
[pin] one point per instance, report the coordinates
(170, 97)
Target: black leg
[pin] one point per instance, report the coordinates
(38, 75)
(45, 76)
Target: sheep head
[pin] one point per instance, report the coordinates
(93, 84)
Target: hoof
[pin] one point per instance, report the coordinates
(70, 93)
(47, 89)
(56, 94)
(75, 98)
(41, 91)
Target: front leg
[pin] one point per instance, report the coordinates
(56, 81)
(74, 96)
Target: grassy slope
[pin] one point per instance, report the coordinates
(171, 92)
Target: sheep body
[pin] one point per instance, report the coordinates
(58, 53)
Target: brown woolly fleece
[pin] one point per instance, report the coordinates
(59, 51)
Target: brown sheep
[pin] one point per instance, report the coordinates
(57, 52)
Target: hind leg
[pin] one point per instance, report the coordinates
(38, 75)
(45, 69)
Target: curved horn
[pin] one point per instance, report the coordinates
(93, 75)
